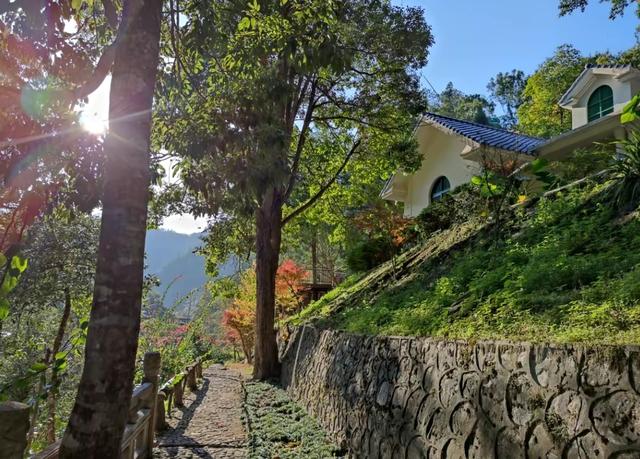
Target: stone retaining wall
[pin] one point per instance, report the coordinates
(388, 397)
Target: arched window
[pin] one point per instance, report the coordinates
(600, 103)
(440, 187)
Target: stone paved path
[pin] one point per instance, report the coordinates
(210, 424)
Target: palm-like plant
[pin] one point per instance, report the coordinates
(626, 173)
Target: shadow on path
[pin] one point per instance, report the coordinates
(210, 423)
(187, 413)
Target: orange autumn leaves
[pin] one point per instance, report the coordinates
(382, 220)
(239, 318)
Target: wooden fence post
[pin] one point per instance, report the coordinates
(199, 368)
(191, 378)
(151, 367)
(161, 416)
(14, 426)
(177, 394)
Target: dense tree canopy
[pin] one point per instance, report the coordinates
(471, 107)
(282, 101)
(506, 89)
(46, 70)
(617, 6)
(540, 115)
(42, 327)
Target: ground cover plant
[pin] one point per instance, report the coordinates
(564, 270)
(278, 427)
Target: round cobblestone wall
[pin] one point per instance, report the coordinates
(394, 397)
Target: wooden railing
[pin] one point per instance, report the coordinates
(148, 410)
(323, 276)
(171, 393)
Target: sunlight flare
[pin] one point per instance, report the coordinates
(93, 123)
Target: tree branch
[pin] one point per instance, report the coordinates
(110, 13)
(103, 67)
(356, 120)
(311, 201)
(301, 91)
(99, 73)
(302, 137)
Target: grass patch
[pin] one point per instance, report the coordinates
(279, 428)
(567, 270)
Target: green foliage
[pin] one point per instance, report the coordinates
(322, 307)
(499, 183)
(344, 70)
(280, 428)
(565, 270)
(539, 114)
(583, 162)
(470, 107)
(631, 111)
(436, 216)
(369, 253)
(506, 89)
(625, 172)
(179, 344)
(61, 250)
(11, 270)
(617, 6)
(539, 167)
(464, 203)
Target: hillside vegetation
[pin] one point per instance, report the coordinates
(564, 270)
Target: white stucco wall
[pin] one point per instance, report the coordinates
(441, 156)
(622, 93)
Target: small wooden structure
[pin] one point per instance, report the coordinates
(319, 281)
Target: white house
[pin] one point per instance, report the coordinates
(453, 149)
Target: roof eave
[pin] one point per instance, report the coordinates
(582, 136)
(393, 189)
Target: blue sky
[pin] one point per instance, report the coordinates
(474, 39)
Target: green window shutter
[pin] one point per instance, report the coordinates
(600, 103)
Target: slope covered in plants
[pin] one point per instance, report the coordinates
(566, 270)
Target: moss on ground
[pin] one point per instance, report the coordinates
(566, 270)
(279, 428)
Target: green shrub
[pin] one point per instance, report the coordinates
(626, 173)
(369, 253)
(583, 162)
(459, 206)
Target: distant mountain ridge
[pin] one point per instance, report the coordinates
(163, 246)
(170, 256)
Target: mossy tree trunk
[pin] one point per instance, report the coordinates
(100, 412)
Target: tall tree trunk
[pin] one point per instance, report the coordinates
(55, 379)
(268, 235)
(246, 350)
(314, 257)
(99, 415)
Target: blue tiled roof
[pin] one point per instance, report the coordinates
(487, 135)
